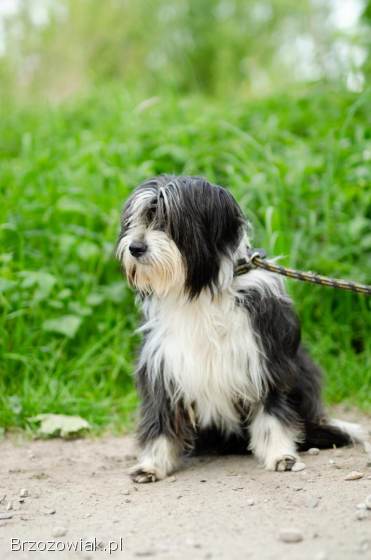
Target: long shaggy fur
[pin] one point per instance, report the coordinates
(221, 364)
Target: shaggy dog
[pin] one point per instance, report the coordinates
(221, 364)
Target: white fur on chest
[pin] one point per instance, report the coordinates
(208, 355)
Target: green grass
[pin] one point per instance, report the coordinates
(300, 167)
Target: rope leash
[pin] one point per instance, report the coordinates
(256, 258)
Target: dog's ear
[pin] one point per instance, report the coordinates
(225, 221)
(207, 225)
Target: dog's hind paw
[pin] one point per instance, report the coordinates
(285, 463)
(142, 475)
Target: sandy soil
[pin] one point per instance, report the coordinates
(216, 507)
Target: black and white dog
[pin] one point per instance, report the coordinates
(221, 361)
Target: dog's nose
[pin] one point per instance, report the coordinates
(137, 248)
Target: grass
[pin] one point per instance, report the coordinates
(300, 167)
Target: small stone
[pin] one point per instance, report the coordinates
(362, 505)
(172, 479)
(5, 516)
(321, 555)
(130, 457)
(50, 511)
(39, 476)
(126, 492)
(203, 480)
(298, 467)
(354, 475)
(364, 545)
(312, 502)
(368, 502)
(2, 498)
(297, 488)
(250, 502)
(361, 514)
(313, 451)
(59, 532)
(23, 493)
(290, 536)
(9, 506)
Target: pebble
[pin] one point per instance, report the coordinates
(312, 502)
(362, 505)
(5, 516)
(298, 467)
(23, 493)
(9, 506)
(250, 502)
(363, 546)
(354, 475)
(361, 514)
(50, 511)
(321, 555)
(368, 502)
(59, 532)
(130, 457)
(290, 536)
(313, 451)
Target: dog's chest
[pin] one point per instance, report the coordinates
(207, 352)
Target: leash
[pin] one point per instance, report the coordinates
(256, 258)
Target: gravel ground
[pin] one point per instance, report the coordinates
(217, 507)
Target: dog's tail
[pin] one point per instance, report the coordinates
(335, 433)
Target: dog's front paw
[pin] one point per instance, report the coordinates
(142, 475)
(284, 463)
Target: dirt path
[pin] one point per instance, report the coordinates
(222, 508)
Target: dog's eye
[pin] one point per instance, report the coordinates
(151, 212)
(155, 215)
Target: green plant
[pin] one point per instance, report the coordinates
(299, 166)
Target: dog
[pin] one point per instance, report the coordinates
(221, 365)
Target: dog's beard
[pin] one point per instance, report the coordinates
(160, 270)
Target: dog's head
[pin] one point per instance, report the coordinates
(179, 233)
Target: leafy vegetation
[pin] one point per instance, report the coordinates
(56, 48)
(299, 166)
